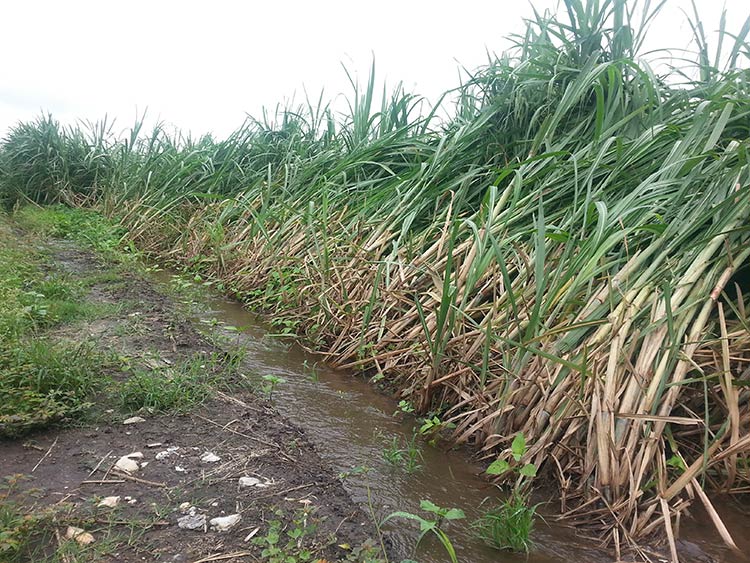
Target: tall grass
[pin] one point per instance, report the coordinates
(558, 258)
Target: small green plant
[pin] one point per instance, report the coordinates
(367, 552)
(292, 544)
(392, 452)
(405, 453)
(286, 327)
(405, 407)
(270, 382)
(432, 426)
(355, 471)
(311, 370)
(518, 449)
(432, 524)
(509, 525)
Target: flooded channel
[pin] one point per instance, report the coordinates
(351, 424)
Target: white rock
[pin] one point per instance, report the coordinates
(210, 457)
(253, 482)
(127, 465)
(109, 502)
(179, 469)
(130, 500)
(154, 445)
(185, 507)
(171, 450)
(224, 523)
(134, 420)
(192, 522)
(79, 534)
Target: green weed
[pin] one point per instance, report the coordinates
(170, 389)
(270, 383)
(433, 524)
(291, 544)
(44, 382)
(404, 453)
(82, 225)
(509, 525)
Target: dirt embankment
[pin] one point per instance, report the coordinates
(232, 455)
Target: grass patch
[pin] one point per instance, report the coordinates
(44, 383)
(20, 528)
(175, 389)
(32, 297)
(41, 382)
(509, 525)
(81, 225)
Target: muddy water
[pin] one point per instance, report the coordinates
(351, 424)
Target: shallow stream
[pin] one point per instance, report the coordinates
(351, 424)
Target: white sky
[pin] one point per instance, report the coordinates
(203, 65)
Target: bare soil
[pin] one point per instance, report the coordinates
(73, 467)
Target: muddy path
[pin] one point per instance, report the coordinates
(233, 456)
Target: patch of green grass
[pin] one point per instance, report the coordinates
(31, 297)
(509, 525)
(404, 453)
(41, 382)
(174, 388)
(44, 383)
(81, 225)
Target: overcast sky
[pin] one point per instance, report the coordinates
(203, 65)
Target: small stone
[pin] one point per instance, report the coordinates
(127, 465)
(185, 507)
(179, 469)
(134, 420)
(79, 534)
(224, 523)
(249, 482)
(154, 445)
(109, 502)
(192, 522)
(171, 450)
(210, 457)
